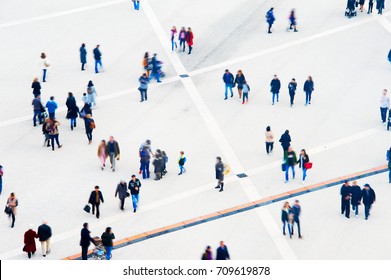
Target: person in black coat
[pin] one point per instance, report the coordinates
(296, 211)
(240, 79)
(356, 197)
(285, 141)
(107, 241)
(219, 168)
(89, 124)
(275, 86)
(95, 198)
(134, 187)
(83, 56)
(158, 163)
(368, 198)
(44, 233)
(345, 199)
(85, 241)
(308, 89)
(73, 110)
(86, 110)
(122, 193)
(98, 58)
(36, 86)
(292, 90)
(370, 6)
(222, 252)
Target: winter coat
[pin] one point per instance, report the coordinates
(92, 198)
(368, 197)
(37, 104)
(302, 160)
(107, 239)
(44, 232)
(285, 141)
(158, 163)
(85, 238)
(52, 106)
(97, 54)
(228, 78)
(143, 82)
(275, 86)
(13, 203)
(83, 55)
(222, 253)
(133, 185)
(219, 168)
(308, 86)
(29, 241)
(291, 158)
(207, 256)
(270, 17)
(296, 211)
(36, 86)
(239, 80)
(182, 160)
(189, 38)
(285, 214)
(345, 192)
(356, 195)
(73, 110)
(379, 4)
(292, 87)
(116, 148)
(246, 88)
(121, 191)
(145, 156)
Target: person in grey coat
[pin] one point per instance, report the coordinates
(122, 193)
(143, 88)
(37, 106)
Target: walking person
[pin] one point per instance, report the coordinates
(102, 154)
(239, 81)
(45, 66)
(158, 163)
(246, 90)
(368, 198)
(147, 64)
(12, 202)
(112, 149)
(45, 131)
(89, 124)
(85, 241)
(275, 86)
(173, 32)
(361, 2)
(143, 88)
(181, 162)
(389, 174)
(134, 187)
(98, 59)
(269, 140)
(207, 255)
(52, 107)
(384, 106)
(292, 20)
(222, 252)
(165, 160)
(355, 197)
(285, 141)
(228, 80)
(304, 159)
(144, 162)
(219, 168)
(107, 241)
(182, 39)
(29, 242)
(379, 6)
(136, 4)
(296, 211)
(36, 86)
(95, 198)
(345, 199)
(189, 39)
(83, 56)
(290, 162)
(389, 56)
(308, 89)
(86, 110)
(44, 233)
(292, 90)
(155, 68)
(285, 212)
(1, 178)
(54, 133)
(73, 110)
(122, 193)
(270, 19)
(370, 6)
(91, 94)
(37, 106)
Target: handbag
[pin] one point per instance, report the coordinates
(308, 165)
(87, 208)
(283, 166)
(7, 210)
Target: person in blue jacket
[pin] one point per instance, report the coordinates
(389, 56)
(83, 56)
(52, 107)
(228, 79)
(143, 88)
(270, 19)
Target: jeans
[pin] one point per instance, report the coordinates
(136, 5)
(96, 205)
(345, 207)
(269, 147)
(228, 86)
(297, 221)
(286, 172)
(135, 200)
(143, 93)
(37, 113)
(89, 135)
(73, 122)
(108, 252)
(54, 137)
(308, 97)
(45, 246)
(82, 66)
(84, 250)
(274, 94)
(145, 169)
(182, 169)
(98, 62)
(284, 223)
(182, 42)
(245, 96)
(389, 178)
(112, 160)
(292, 97)
(304, 173)
(156, 76)
(355, 208)
(12, 216)
(173, 44)
(383, 114)
(52, 115)
(370, 6)
(270, 27)
(44, 75)
(366, 209)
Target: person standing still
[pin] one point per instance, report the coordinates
(85, 241)
(296, 211)
(95, 198)
(145, 158)
(275, 86)
(356, 197)
(368, 198)
(12, 202)
(98, 58)
(73, 110)
(45, 66)
(285, 141)
(219, 168)
(112, 149)
(379, 6)
(182, 39)
(91, 94)
(270, 19)
(308, 89)
(292, 20)
(269, 140)
(122, 193)
(173, 32)
(134, 187)
(222, 252)
(37, 106)
(83, 56)
(44, 233)
(189, 39)
(345, 199)
(107, 241)
(143, 88)
(228, 80)
(207, 255)
(292, 90)
(36, 86)
(52, 107)
(1, 178)
(384, 106)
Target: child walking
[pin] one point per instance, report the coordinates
(181, 162)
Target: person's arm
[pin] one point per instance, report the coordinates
(116, 192)
(101, 197)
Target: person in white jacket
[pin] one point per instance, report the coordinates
(45, 65)
(384, 106)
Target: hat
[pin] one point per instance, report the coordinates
(367, 185)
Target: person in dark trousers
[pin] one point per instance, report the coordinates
(285, 141)
(73, 110)
(270, 19)
(52, 107)
(222, 252)
(85, 241)
(155, 68)
(98, 58)
(207, 255)
(356, 197)
(292, 21)
(308, 89)
(285, 212)
(54, 133)
(145, 158)
(12, 202)
(269, 140)
(45, 132)
(370, 6)
(182, 39)
(189, 39)
(292, 90)
(275, 86)
(389, 56)
(83, 56)
(296, 211)
(389, 173)
(181, 162)
(136, 4)
(368, 198)
(345, 199)
(44, 234)
(112, 150)
(37, 107)
(165, 160)
(107, 241)
(379, 6)
(1, 178)
(36, 86)
(228, 80)
(89, 124)
(158, 163)
(384, 106)
(29, 242)
(239, 81)
(95, 198)
(290, 162)
(303, 160)
(134, 187)
(143, 88)
(122, 193)
(45, 66)
(219, 168)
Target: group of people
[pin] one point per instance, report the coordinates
(44, 233)
(352, 4)
(270, 19)
(222, 253)
(184, 37)
(106, 241)
(291, 216)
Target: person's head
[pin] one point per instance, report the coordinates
(146, 55)
(85, 225)
(226, 71)
(158, 151)
(123, 182)
(293, 80)
(275, 77)
(148, 141)
(155, 54)
(290, 149)
(38, 96)
(268, 128)
(173, 28)
(354, 183)
(208, 249)
(83, 45)
(222, 244)
(384, 92)
(111, 139)
(297, 202)
(271, 8)
(286, 205)
(35, 80)
(90, 84)
(96, 188)
(84, 94)
(346, 183)
(303, 152)
(97, 46)
(103, 142)
(133, 177)
(163, 153)
(367, 186)
(108, 230)
(309, 78)
(70, 94)
(44, 222)
(183, 28)
(51, 97)
(218, 159)
(145, 75)
(240, 73)
(181, 153)
(189, 29)
(12, 195)
(287, 131)
(43, 55)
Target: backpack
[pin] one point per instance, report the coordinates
(181, 161)
(92, 125)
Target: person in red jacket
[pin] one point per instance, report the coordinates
(29, 241)
(189, 39)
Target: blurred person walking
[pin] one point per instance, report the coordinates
(45, 131)
(144, 162)
(89, 124)
(181, 162)
(91, 95)
(345, 199)
(269, 140)
(29, 242)
(239, 81)
(112, 149)
(1, 178)
(275, 86)
(292, 90)
(54, 133)
(102, 154)
(285, 141)
(182, 39)
(136, 4)
(73, 110)
(12, 203)
(95, 198)
(370, 6)
(98, 59)
(290, 162)
(52, 107)
(134, 187)
(246, 90)
(207, 255)
(158, 163)
(303, 161)
(45, 66)
(147, 64)
(44, 233)
(270, 19)
(36, 86)
(355, 197)
(296, 211)
(173, 32)
(285, 212)
(308, 89)
(379, 6)
(222, 252)
(143, 88)
(122, 193)
(189, 39)
(37, 107)
(219, 168)
(292, 20)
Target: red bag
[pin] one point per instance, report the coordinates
(308, 165)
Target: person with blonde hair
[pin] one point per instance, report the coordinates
(286, 211)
